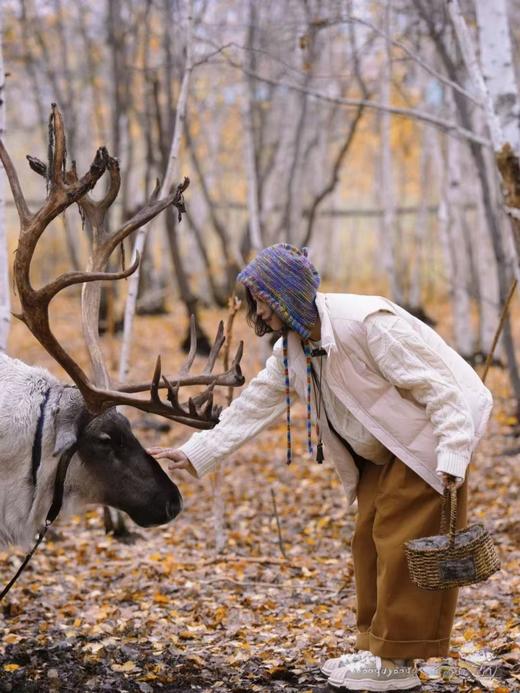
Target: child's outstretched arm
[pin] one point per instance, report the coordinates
(260, 403)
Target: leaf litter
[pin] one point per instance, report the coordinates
(168, 614)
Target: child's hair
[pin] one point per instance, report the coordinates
(260, 326)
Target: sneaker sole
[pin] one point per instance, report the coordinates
(370, 685)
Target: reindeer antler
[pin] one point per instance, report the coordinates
(64, 189)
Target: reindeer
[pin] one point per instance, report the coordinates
(44, 421)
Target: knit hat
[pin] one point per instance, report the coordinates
(283, 277)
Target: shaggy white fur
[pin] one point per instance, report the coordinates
(22, 507)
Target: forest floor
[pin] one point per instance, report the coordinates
(169, 614)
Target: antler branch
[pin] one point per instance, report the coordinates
(65, 188)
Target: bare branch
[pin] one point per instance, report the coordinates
(72, 278)
(12, 177)
(450, 127)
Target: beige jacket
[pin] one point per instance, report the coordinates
(412, 392)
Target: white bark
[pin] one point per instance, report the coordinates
(249, 143)
(455, 251)
(462, 328)
(251, 172)
(272, 189)
(496, 57)
(475, 73)
(388, 224)
(486, 270)
(5, 303)
(484, 259)
(169, 177)
(421, 223)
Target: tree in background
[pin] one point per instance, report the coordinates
(350, 127)
(5, 302)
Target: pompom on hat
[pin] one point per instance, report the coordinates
(283, 277)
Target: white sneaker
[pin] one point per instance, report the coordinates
(342, 661)
(369, 674)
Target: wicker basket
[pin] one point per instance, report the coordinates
(461, 557)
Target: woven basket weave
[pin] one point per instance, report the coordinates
(461, 557)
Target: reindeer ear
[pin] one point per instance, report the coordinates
(67, 418)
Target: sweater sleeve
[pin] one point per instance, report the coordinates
(408, 362)
(260, 403)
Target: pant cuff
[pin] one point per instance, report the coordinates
(402, 649)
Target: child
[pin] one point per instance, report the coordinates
(399, 412)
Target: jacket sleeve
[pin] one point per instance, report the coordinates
(260, 403)
(408, 362)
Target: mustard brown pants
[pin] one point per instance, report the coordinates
(396, 619)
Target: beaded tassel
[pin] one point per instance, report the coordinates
(287, 396)
(307, 350)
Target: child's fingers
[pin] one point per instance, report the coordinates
(162, 454)
(176, 465)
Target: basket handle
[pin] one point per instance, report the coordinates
(449, 511)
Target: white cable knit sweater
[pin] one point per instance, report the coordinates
(403, 359)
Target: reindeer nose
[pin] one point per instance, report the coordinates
(174, 507)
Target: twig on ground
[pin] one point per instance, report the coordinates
(231, 558)
(241, 583)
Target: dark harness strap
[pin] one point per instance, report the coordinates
(57, 502)
(36, 457)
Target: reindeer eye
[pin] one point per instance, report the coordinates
(105, 436)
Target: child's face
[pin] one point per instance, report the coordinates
(267, 314)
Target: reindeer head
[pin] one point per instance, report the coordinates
(116, 469)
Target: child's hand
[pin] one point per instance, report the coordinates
(178, 460)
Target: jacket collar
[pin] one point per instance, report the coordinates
(327, 335)
(296, 355)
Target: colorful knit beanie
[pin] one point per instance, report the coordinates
(283, 277)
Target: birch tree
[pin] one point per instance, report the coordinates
(388, 221)
(455, 248)
(421, 224)
(494, 82)
(253, 202)
(5, 304)
(499, 95)
(169, 178)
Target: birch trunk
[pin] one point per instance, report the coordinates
(421, 224)
(486, 272)
(251, 172)
(5, 303)
(506, 160)
(169, 177)
(272, 198)
(253, 200)
(484, 260)
(497, 63)
(496, 91)
(456, 259)
(496, 59)
(388, 223)
(463, 330)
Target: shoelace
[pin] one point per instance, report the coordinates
(348, 658)
(362, 663)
